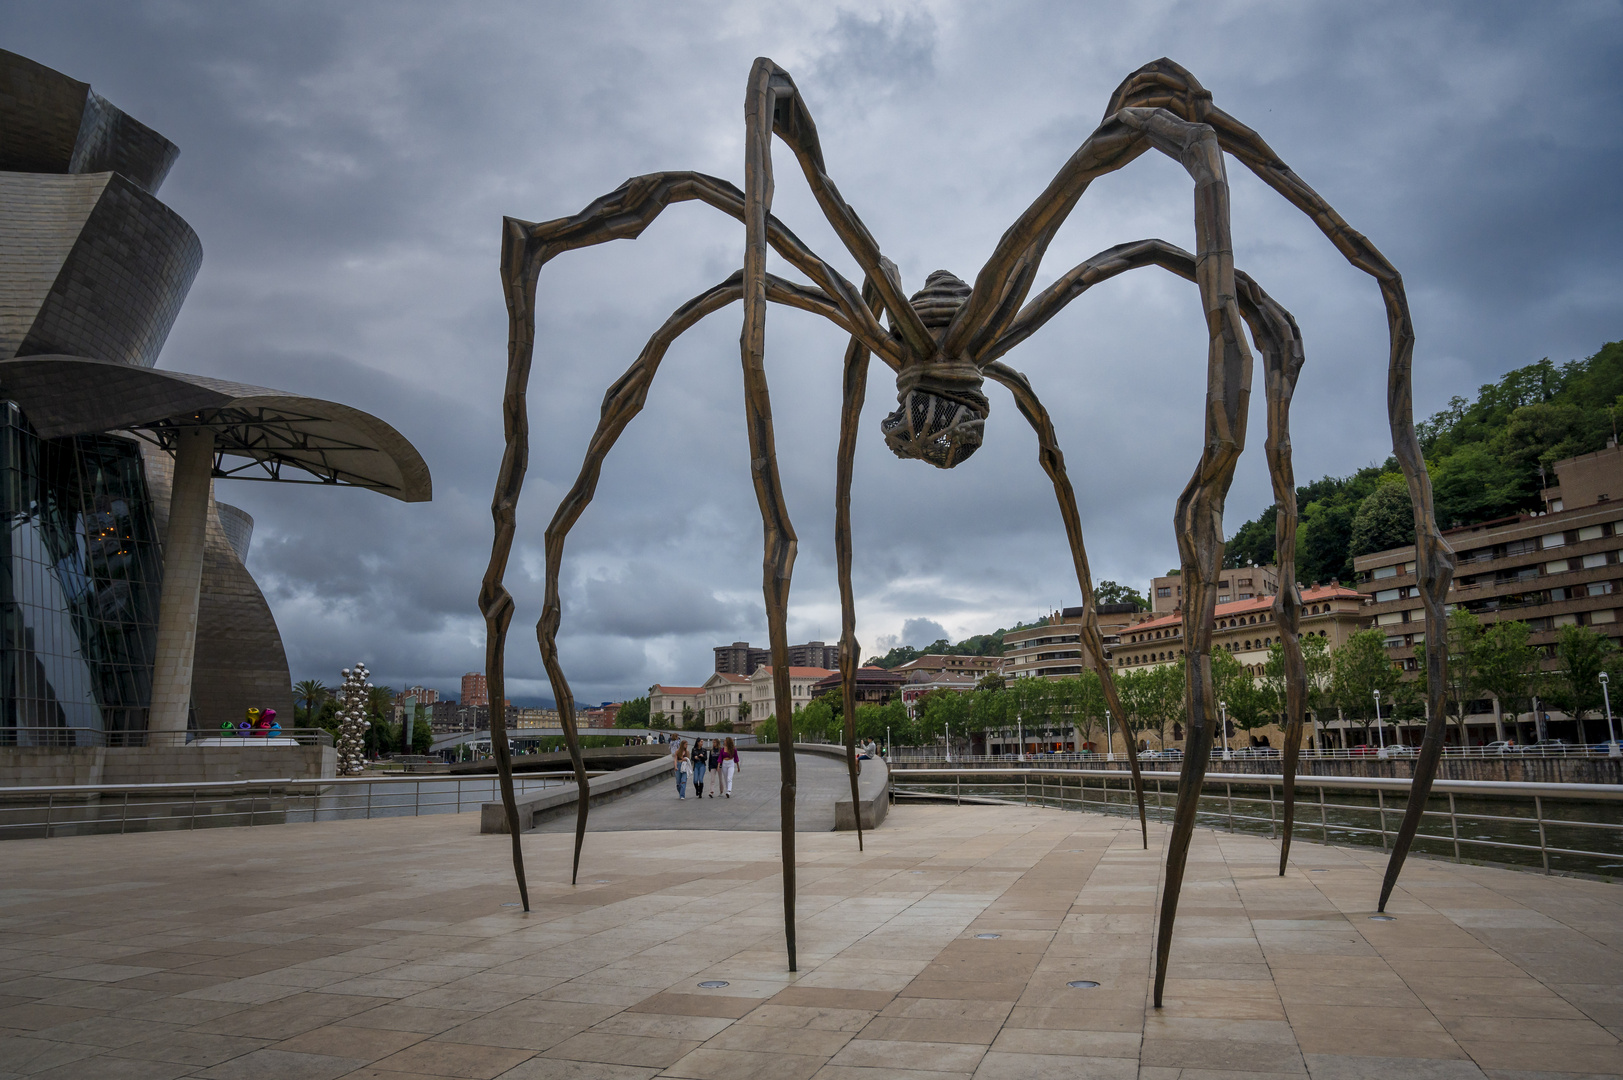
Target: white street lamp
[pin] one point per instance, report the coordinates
(1110, 739)
(1612, 749)
(1224, 706)
(1380, 734)
(1020, 726)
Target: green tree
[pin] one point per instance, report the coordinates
(422, 732)
(312, 693)
(1081, 699)
(1110, 592)
(1385, 519)
(1319, 669)
(1361, 667)
(766, 731)
(1583, 654)
(1507, 667)
(744, 715)
(992, 681)
(1464, 681)
(1251, 705)
(633, 713)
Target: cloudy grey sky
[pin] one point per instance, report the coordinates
(348, 165)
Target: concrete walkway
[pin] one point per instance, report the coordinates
(820, 780)
(385, 950)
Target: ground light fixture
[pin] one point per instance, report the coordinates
(986, 937)
(1382, 918)
(1082, 984)
(713, 984)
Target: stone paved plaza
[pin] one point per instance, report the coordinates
(383, 949)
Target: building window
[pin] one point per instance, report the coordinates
(1553, 540)
(1164, 590)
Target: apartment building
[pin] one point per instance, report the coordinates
(1559, 568)
(915, 692)
(1053, 649)
(740, 658)
(1245, 583)
(474, 689)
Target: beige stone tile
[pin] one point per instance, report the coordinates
(110, 1068)
(1221, 1054)
(1082, 1044)
(708, 1064)
(847, 1072)
(801, 1041)
(454, 1059)
(1545, 1057)
(926, 1056)
(271, 1064)
(190, 1048)
(998, 1065)
(402, 1018)
(926, 1029)
(365, 1044)
(559, 1069)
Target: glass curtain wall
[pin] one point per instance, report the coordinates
(81, 565)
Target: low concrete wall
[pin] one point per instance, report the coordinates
(602, 757)
(43, 766)
(1511, 768)
(599, 789)
(873, 784)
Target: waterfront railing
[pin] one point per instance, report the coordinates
(91, 809)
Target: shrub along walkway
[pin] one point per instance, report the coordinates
(383, 949)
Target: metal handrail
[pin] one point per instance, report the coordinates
(71, 738)
(287, 782)
(1605, 792)
(1517, 841)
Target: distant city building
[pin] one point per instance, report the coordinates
(1246, 629)
(443, 716)
(874, 685)
(932, 664)
(1560, 568)
(669, 701)
(417, 695)
(1243, 583)
(762, 694)
(474, 690)
(915, 692)
(740, 658)
(536, 718)
(720, 697)
(1053, 648)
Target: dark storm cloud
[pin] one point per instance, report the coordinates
(347, 167)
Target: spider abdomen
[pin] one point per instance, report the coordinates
(941, 413)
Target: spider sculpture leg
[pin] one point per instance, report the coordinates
(1053, 463)
(778, 534)
(1164, 84)
(854, 390)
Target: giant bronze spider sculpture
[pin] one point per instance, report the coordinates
(943, 342)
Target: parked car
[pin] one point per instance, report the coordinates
(1395, 750)
(1502, 746)
(1171, 753)
(1549, 747)
(1365, 750)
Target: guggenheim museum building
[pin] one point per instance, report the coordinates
(127, 616)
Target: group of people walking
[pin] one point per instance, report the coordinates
(705, 756)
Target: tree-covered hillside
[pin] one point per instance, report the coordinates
(1484, 457)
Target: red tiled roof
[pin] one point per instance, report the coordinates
(1246, 607)
(663, 689)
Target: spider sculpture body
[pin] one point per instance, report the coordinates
(943, 342)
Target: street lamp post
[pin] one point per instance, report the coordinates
(1110, 739)
(1380, 733)
(1223, 707)
(1020, 726)
(1612, 749)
